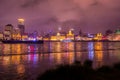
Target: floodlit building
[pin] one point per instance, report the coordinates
(21, 26)
(16, 34)
(8, 31)
(116, 36)
(58, 37)
(1, 36)
(25, 36)
(70, 35)
(98, 36)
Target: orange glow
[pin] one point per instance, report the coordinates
(98, 46)
(21, 20)
(20, 69)
(15, 59)
(99, 53)
(6, 60)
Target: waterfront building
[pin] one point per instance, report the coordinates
(116, 36)
(25, 36)
(16, 34)
(8, 31)
(70, 35)
(32, 36)
(110, 37)
(39, 37)
(21, 26)
(57, 37)
(1, 35)
(46, 39)
(98, 36)
(35, 34)
(78, 37)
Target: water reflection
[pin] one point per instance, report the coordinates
(33, 58)
(98, 46)
(98, 51)
(38, 57)
(20, 69)
(91, 50)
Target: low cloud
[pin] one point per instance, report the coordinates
(89, 15)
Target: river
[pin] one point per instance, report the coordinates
(27, 61)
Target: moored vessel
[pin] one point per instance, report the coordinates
(20, 41)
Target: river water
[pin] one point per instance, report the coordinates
(27, 61)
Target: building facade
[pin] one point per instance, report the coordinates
(8, 31)
(21, 26)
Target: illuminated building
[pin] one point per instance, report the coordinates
(1, 36)
(35, 34)
(78, 37)
(98, 36)
(8, 31)
(70, 35)
(16, 34)
(116, 36)
(39, 37)
(25, 36)
(59, 37)
(110, 37)
(21, 26)
(63, 36)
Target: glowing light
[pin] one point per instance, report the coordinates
(91, 52)
(20, 69)
(21, 21)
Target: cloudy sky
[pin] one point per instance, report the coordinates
(90, 16)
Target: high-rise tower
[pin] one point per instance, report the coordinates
(21, 26)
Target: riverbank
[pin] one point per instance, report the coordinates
(77, 71)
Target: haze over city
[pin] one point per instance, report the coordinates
(91, 16)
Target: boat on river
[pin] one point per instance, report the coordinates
(20, 41)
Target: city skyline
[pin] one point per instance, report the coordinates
(90, 16)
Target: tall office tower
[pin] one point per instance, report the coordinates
(21, 26)
(8, 31)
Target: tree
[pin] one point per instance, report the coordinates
(107, 32)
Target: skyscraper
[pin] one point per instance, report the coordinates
(21, 26)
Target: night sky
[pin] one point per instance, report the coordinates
(90, 16)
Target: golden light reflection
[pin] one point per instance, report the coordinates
(78, 56)
(98, 46)
(16, 59)
(71, 57)
(63, 58)
(57, 57)
(99, 53)
(78, 46)
(16, 48)
(20, 69)
(71, 46)
(6, 60)
(7, 49)
(58, 47)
